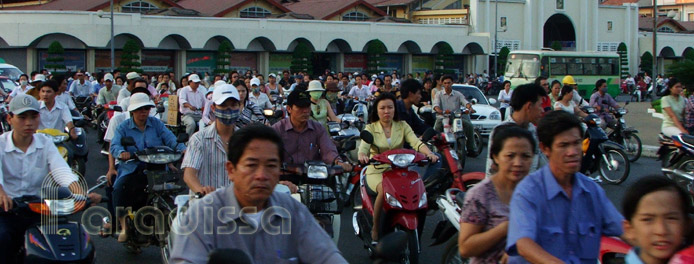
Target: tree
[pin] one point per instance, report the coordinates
(301, 58)
(623, 60)
(55, 56)
(556, 45)
(374, 56)
(130, 58)
(682, 71)
(223, 62)
(444, 59)
(646, 64)
(503, 56)
(689, 55)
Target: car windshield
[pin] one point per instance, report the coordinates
(522, 66)
(471, 93)
(11, 73)
(7, 84)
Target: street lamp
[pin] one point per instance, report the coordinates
(113, 52)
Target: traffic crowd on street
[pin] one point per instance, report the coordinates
(231, 139)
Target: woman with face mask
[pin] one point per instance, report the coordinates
(320, 108)
(332, 94)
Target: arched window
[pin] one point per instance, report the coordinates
(255, 12)
(139, 6)
(355, 16)
(666, 30)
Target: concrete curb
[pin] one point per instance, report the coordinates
(649, 151)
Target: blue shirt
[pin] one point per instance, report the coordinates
(155, 134)
(568, 228)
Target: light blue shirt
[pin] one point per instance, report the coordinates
(155, 134)
(568, 228)
(77, 89)
(633, 257)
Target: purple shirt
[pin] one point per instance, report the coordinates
(311, 144)
(482, 207)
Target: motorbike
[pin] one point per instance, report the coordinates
(345, 135)
(83, 105)
(683, 178)
(493, 87)
(4, 125)
(74, 152)
(161, 188)
(405, 205)
(108, 111)
(677, 152)
(625, 135)
(317, 188)
(56, 240)
(600, 154)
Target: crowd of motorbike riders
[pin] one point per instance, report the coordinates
(534, 206)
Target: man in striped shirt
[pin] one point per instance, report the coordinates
(204, 163)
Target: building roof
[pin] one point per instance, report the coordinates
(390, 2)
(220, 8)
(646, 23)
(77, 5)
(618, 2)
(326, 9)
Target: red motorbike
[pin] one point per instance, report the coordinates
(612, 250)
(405, 205)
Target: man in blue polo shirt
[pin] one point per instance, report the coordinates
(557, 215)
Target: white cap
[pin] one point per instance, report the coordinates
(108, 77)
(272, 75)
(39, 78)
(194, 78)
(139, 100)
(255, 81)
(315, 86)
(224, 92)
(219, 83)
(132, 75)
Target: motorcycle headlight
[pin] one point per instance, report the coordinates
(392, 201)
(317, 172)
(268, 112)
(496, 115)
(159, 158)
(334, 127)
(61, 207)
(401, 160)
(423, 200)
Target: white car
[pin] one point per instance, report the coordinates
(10, 71)
(486, 116)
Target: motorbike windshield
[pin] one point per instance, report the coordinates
(523, 66)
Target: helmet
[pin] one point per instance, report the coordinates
(568, 79)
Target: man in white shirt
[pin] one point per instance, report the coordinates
(80, 87)
(359, 91)
(63, 96)
(257, 96)
(26, 159)
(54, 114)
(191, 100)
(125, 92)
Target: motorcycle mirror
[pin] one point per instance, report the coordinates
(80, 123)
(182, 138)
(278, 113)
(127, 141)
(229, 255)
(102, 179)
(349, 145)
(391, 246)
(160, 109)
(367, 137)
(428, 134)
(117, 108)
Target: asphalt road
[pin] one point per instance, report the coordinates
(109, 251)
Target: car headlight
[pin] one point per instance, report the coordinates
(401, 160)
(317, 172)
(392, 201)
(159, 158)
(496, 115)
(423, 200)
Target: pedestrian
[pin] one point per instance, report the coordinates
(484, 219)
(656, 220)
(504, 99)
(558, 215)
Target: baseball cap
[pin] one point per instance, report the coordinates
(132, 75)
(255, 81)
(219, 83)
(272, 75)
(108, 77)
(39, 78)
(299, 98)
(23, 103)
(194, 78)
(224, 92)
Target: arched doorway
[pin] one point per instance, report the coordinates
(560, 29)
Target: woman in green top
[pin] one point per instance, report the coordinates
(389, 133)
(321, 110)
(673, 109)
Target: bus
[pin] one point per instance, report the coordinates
(524, 66)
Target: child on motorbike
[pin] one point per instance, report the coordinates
(656, 220)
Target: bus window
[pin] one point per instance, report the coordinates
(558, 69)
(590, 69)
(606, 69)
(575, 69)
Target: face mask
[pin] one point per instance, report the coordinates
(23, 82)
(331, 97)
(316, 95)
(256, 90)
(604, 89)
(227, 117)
